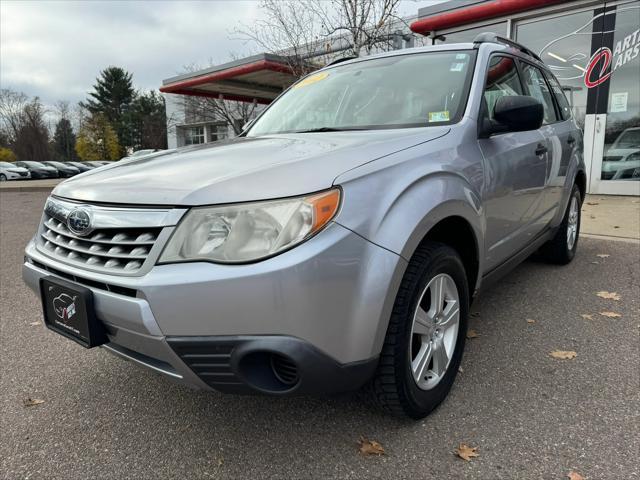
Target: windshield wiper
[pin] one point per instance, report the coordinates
(326, 129)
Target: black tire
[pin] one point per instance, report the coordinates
(3, 177)
(557, 249)
(393, 386)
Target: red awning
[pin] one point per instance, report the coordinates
(476, 13)
(260, 78)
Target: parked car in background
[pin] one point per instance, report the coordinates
(622, 160)
(336, 243)
(64, 170)
(82, 166)
(38, 169)
(8, 171)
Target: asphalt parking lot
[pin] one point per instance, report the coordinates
(529, 415)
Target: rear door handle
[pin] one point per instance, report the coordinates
(541, 150)
(571, 140)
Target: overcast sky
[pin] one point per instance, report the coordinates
(55, 50)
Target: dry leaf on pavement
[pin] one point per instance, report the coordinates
(370, 447)
(586, 316)
(530, 320)
(564, 354)
(610, 314)
(34, 324)
(603, 255)
(466, 452)
(574, 476)
(472, 334)
(593, 203)
(30, 402)
(609, 295)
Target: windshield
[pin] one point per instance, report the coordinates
(7, 165)
(402, 91)
(34, 164)
(55, 164)
(628, 139)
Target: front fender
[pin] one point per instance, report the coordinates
(395, 208)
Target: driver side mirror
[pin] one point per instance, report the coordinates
(514, 113)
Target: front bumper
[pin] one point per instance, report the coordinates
(323, 305)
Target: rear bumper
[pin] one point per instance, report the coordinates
(323, 307)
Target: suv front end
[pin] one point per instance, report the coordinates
(298, 322)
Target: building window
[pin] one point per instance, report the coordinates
(218, 132)
(194, 135)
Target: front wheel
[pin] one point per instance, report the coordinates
(3, 177)
(424, 342)
(562, 247)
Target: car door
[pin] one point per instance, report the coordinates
(560, 140)
(515, 171)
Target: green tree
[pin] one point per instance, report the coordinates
(64, 141)
(7, 155)
(97, 139)
(112, 96)
(147, 118)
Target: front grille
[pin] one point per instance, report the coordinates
(113, 249)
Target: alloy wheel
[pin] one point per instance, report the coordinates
(434, 331)
(572, 223)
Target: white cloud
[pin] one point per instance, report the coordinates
(56, 49)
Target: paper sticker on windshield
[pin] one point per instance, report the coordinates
(456, 67)
(461, 56)
(439, 116)
(312, 79)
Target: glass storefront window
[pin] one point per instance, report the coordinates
(621, 160)
(564, 44)
(464, 36)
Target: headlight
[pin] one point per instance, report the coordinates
(249, 231)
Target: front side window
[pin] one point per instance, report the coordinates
(561, 99)
(502, 80)
(401, 91)
(538, 89)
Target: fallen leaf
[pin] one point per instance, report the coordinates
(609, 295)
(220, 461)
(472, 334)
(34, 324)
(564, 354)
(586, 316)
(592, 216)
(603, 255)
(30, 402)
(466, 452)
(593, 203)
(616, 226)
(460, 370)
(574, 476)
(474, 314)
(610, 314)
(370, 447)
(530, 320)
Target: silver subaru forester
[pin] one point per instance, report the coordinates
(337, 243)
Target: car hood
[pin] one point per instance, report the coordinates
(620, 152)
(241, 169)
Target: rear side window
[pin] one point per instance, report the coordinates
(561, 99)
(538, 89)
(502, 80)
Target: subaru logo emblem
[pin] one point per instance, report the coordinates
(79, 221)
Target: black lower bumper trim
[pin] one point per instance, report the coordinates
(249, 364)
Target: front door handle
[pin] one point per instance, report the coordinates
(541, 150)
(571, 140)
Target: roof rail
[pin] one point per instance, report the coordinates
(488, 37)
(340, 60)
